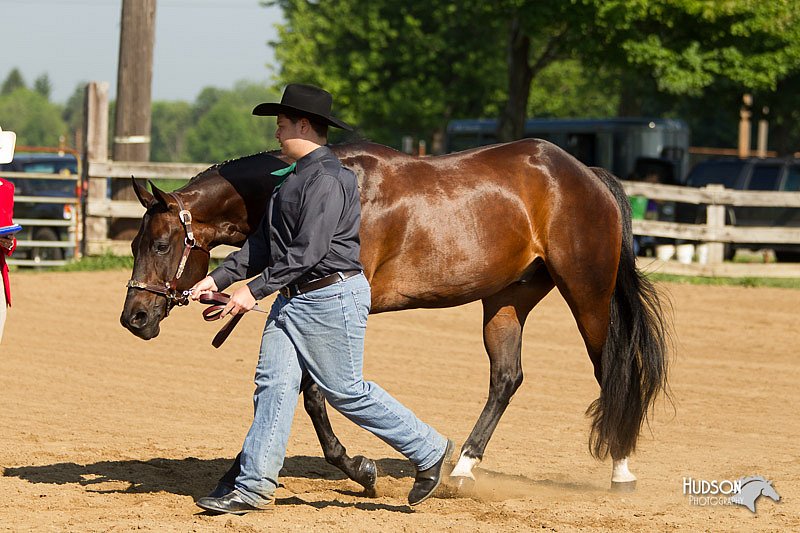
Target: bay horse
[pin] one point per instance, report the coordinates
(503, 224)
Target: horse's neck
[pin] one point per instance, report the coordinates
(231, 198)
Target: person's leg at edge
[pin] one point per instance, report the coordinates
(278, 376)
(3, 307)
(328, 328)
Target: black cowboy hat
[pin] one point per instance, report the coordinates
(306, 100)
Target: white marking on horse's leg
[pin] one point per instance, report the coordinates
(620, 472)
(464, 467)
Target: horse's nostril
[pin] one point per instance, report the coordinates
(139, 320)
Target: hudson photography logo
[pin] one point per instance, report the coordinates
(744, 491)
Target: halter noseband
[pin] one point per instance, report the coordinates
(170, 288)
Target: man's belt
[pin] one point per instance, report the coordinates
(293, 290)
(216, 301)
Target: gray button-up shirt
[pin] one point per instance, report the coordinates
(310, 229)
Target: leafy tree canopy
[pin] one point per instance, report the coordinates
(680, 46)
(225, 127)
(43, 86)
(73, 109)
(395, 68)
(36, 120)
(567, 89)
(687, 45)
(170, 124)
(13, 81)
(409, 67)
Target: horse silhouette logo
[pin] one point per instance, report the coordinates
(752, 488)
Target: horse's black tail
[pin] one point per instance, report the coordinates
(634, 360)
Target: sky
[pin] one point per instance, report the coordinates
(199, 43)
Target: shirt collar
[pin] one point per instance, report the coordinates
(323, 152)
(301, 164)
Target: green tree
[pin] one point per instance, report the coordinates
(400, 68)
(567, 89)
(13, 81)
(225, 127)
(73, 111)
(683, 46)
(170, 125)
(536, 35)
(36, 121)
(43, 86)
(395, 68)
(205, 101)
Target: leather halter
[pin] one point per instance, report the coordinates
(169, 289)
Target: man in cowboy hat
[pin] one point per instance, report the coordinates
(307, 247)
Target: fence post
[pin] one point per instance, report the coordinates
(95, 148)
(715, 222)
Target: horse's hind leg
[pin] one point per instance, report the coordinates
(588, 292)
(592, 315)
(359, 468)
(504, 316)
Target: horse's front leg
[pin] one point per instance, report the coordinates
(359, 468)
(504, 315)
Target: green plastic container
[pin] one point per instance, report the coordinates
(638, 207)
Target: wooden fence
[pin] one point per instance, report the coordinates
(46, 242)
(715, 232)
(100, 209)
(98, 169)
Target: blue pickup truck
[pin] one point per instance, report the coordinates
(62, 214)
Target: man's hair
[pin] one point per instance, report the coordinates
(319, 128)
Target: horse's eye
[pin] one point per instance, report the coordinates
(161, 247)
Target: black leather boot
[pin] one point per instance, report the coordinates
(222, 489)
(427, 480)
(230, 503)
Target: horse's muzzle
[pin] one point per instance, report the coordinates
(142, 322)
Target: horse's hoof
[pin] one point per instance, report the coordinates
(623, 486)
(366, 475)
(461, 485)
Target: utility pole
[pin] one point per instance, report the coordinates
(134, 80)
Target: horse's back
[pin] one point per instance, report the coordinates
(472, 222)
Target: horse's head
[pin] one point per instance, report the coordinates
(769, 491)
(170, 254)
(221, 205)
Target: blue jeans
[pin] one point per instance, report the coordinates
(322, 333)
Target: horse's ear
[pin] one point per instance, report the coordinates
(145, 198)
(158, 194)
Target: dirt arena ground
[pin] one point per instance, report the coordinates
(101, 431)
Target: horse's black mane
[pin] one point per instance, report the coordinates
(251, 164)
(258, 166)
(254, 165)
(240, 172)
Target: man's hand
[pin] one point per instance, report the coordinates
(207, 285)
(242, 300)
(7, 241)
